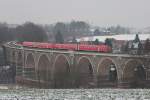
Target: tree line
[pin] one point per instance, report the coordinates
(112, 29)
(72, 28)
(33, 32)
(25, 32)
(79, 29)
(58, 32)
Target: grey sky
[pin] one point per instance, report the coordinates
(132, 13)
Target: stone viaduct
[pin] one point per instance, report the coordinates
(45, 68)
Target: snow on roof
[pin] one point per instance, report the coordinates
(117, 37)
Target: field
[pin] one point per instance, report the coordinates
(73, 94)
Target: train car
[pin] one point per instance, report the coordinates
(31, 44)
(80, 47)
(27, 44)
(65, 46)
(85, 47)
(104, 48)
(98, 48)
(45, 45)
(71, 46)
(38, 45)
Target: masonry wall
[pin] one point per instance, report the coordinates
(85, 70)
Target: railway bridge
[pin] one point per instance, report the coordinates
(45, 68)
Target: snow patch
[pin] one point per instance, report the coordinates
(117, 37)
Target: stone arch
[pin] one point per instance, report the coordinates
(29, 69)
(85, 73)
(19, 58)
(64, 56)
(13, 53)
(30, 60)
(19, 68)
(107, 73)
(14, 57)
(61, 72)
(134, 73)
(13, 66)
(87, 59)
(43, 68)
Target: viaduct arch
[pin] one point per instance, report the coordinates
(64, 69)
(134, 73)
(43, 68)
(29, 68)
(61, 72)
(19, 66)
(85, 73)
(107, 72)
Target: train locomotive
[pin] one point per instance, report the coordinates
(68, 46)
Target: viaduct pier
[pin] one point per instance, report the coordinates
(45, 68)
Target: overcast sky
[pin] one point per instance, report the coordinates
(132, 13)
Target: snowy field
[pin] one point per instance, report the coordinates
(74, 94)
(117, 37)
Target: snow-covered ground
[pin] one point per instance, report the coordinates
(75, 94)
(117, 37)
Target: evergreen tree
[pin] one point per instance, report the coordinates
(96, 42)
(74, 40)
(140, 48)
(147, 46)
(108, 42)
(96, 32)
(61, 27)
(136, 38)
(59, 38)
(137, 43)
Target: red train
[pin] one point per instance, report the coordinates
(76, 47)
